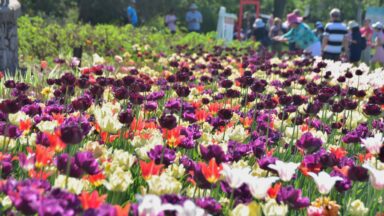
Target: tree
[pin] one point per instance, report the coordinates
(279, 7)
(56, 8)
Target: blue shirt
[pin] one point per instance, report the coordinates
(132, 15)
(194, 19)
(302, 36)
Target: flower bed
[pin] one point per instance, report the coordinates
(220, 132)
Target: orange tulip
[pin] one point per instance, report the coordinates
(201, 115)
(58, 117)
(93, 200)
(273, 191)
(95, 180)
(211, 171)
(44, 156)
(173, 137)
(55, 142)
(39, 174)
(25, 125)
(214, 107)
(150, 169)
(122, 211)
(338, 152)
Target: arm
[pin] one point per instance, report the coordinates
(345, 43)
(325, 42)
(285, 37)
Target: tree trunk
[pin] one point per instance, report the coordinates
(278, 8)
(360, 12)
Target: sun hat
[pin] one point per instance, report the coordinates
(193, 6)
(318, 25)
(378, 25)
(335, 12)
(293, 18)
(259, 23)
(352, 24)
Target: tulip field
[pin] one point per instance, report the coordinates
(194, 130)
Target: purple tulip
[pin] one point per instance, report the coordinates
(86, 162)
(292, 197)
(162, 154)
(309, 143)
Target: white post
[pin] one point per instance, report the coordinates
(10, 10)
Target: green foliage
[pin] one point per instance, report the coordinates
(39, 39)
(152, 12)
(56, 8)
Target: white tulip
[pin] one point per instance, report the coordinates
(373, 144)
(376, 177)
(285, 170)
(235, 177)
(259, 186)
(324, 181)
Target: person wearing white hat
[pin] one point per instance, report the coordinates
(260, 33)
(194, 18)
(132, 14)
(378, 44)
(356, 42)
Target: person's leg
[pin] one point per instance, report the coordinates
(366, 55)
(331, 56)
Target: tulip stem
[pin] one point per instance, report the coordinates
(231, 201)
(68, 168)
(164, 146)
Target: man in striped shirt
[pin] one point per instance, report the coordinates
(335, 39)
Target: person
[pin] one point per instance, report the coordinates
(194, 19)
(260, 33)
(170, 21)
(319, 30)
(335, 39)
(378, 44)
(367, 33)
(355, 42)
(132, 14)
(301, 35)
(249, 20)
(291, 46)
(276, 30)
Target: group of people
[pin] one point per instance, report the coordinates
(193, 18)
(334, 41)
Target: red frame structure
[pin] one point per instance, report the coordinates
(256, 3)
